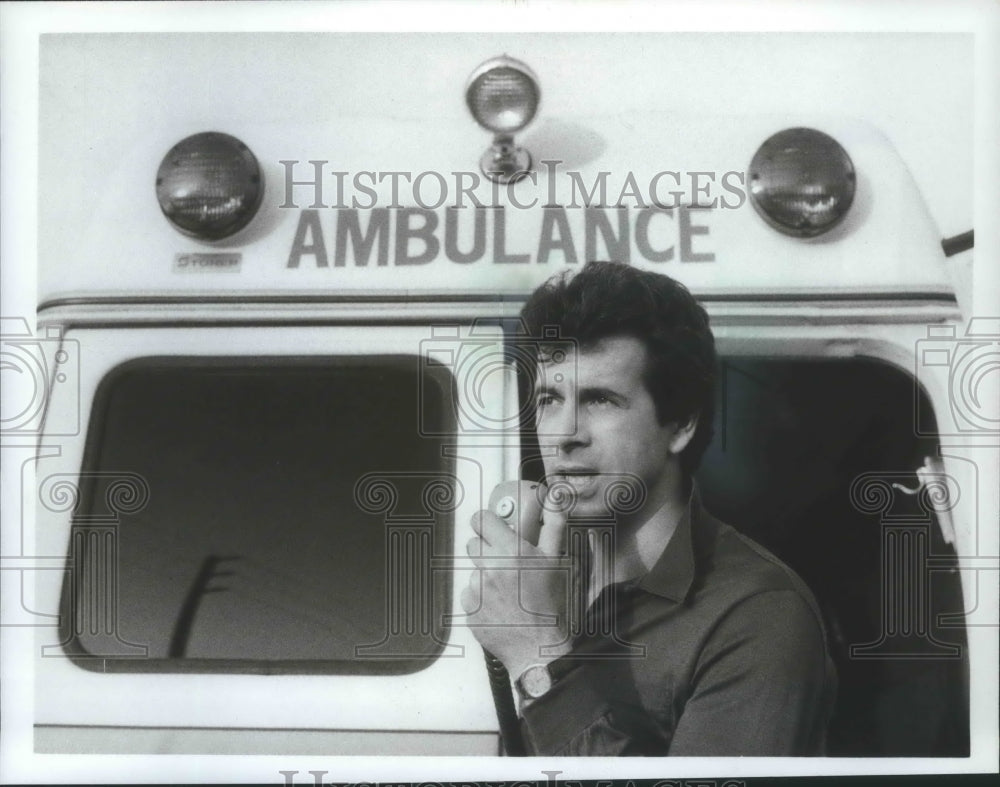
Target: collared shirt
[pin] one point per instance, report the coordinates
(719, 650)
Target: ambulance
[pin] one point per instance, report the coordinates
(280, 366)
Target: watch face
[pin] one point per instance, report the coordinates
(535, 681)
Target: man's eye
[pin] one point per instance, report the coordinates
(543, 400)
(600, 401)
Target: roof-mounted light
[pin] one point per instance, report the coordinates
(209, 185)
(503, 96)
(802, 182)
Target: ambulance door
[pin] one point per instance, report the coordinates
(259, 525)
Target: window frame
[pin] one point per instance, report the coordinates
(100, 414)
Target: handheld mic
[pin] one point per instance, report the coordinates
(519, 504)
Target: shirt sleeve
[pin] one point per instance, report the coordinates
(572, 720)
(763, 685)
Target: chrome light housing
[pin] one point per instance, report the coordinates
(503, 96)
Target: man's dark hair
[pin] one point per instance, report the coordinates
(608, 299)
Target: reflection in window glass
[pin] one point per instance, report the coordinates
(293, 510)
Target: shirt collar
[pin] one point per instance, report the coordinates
(673, 573)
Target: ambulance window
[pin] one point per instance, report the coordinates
(291, 512)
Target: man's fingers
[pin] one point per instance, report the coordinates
(494, 532)
(552, 538)
(474, 548)
(470, 594)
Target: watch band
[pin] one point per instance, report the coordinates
(562, 666)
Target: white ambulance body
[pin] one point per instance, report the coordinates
(260, 453)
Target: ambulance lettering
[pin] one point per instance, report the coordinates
(417, 236)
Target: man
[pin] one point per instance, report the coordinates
(695, 640)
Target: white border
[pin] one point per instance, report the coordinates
(20, 26)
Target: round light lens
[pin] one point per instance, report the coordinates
(503, 95)
(209, 185)
(802, 182)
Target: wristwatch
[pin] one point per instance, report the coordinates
(538, 679)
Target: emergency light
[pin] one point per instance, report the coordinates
(802, 182)
(209, 185)
(503, 96)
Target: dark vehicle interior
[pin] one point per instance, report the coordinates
(791, 439)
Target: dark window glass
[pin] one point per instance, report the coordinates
(293, 510)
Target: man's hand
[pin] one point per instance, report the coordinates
(520, 594)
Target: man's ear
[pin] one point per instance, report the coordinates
(682, 434)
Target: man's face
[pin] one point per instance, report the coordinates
(597, 425)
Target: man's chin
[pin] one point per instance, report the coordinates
(591, 503)
(593, 512)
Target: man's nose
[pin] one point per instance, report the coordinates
(571, 431)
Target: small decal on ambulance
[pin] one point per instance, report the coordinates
(205, 262)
